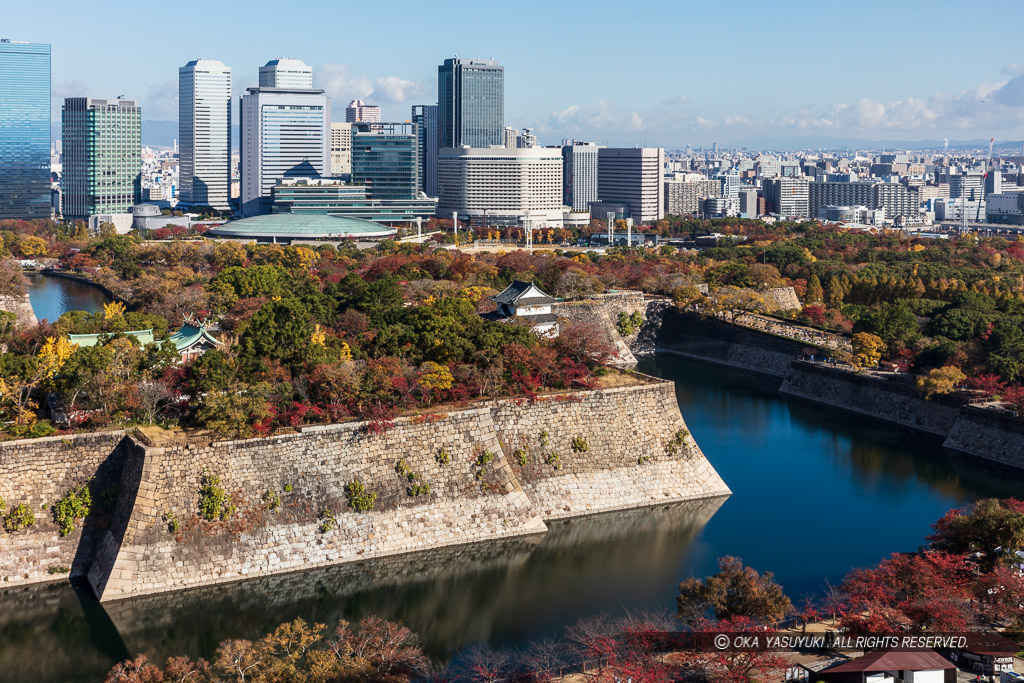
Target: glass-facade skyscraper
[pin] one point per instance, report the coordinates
(470, 103)
(425, 118)
(24, 130)
(384, 159)
(285, 132)
(102, 156)
(204, 134)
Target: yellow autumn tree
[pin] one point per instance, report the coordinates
(434, 377)
(319, 336)
(115, 309)
(53, 355)
(867, 349)
(940, 381)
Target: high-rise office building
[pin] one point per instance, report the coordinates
(471, 103)
(102, 156)
(969, 186)
(425, 118)
(579, 175)
(633, 176)
(286, 74)
(24, 130)
(384, 159)
(204, 134)
(341, 149)
(357, 111)
(285, 133)
(527, 139)
(501, 186)
(748, 202)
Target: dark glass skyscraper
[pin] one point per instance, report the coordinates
(384, 159)
(470, 103)
(24, 130)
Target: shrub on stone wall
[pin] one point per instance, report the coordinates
(579, 445)
(20, 517)
(271, 499)
(359, 499)
(628, 323)
(215, 503)
(554, 460)
(521, 456)
(327, 521)
(677, 441)
(75, 504)
(442, 457)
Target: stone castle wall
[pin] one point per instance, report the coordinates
(38, 472)
(982, 433)
(604, 310)
(627, 461)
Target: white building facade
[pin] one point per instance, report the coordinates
(285, 133)
(204, 134)
(633, 176)
(500, 185)
(341, 148)
(286, 74)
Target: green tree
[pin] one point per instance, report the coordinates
(814, 291)
(280, 330)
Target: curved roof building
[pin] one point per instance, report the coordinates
(284, 228)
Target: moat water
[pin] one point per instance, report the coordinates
(815, 493)
(52, 296)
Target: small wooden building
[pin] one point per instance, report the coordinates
(893, 667)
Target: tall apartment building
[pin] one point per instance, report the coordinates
(497, 185)
(825, 194)
(285, 133)
(286, 74)
(526, 139)
(385, 159)
(633, 176)
(425, 118)
(969, 186)
(895, 199)
(685, 196)
(357, 111)
(579, 175)
(786, 196)
(204, 134)
(24, 130)
(470, 103)
(341, 148)
(102, 156)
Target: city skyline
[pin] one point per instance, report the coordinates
(802, 71)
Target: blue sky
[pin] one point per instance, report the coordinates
(664, 73)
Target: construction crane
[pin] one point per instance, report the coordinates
(984, 176)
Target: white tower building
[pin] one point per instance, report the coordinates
(285, 132)
(204, 128)
(286, 74)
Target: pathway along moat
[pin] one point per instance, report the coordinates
(815, 492)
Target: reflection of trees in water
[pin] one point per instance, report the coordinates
(451, 596)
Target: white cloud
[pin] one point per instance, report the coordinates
(599, 117)
(342, 84)
(161, 102)
(635, 122)
(72, 88)
(678, 99)
(1012, 69)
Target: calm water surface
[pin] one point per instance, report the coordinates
(52, 296)
(815, 493)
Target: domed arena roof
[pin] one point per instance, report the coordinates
(285, 227)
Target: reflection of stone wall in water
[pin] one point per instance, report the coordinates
(473, 586)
